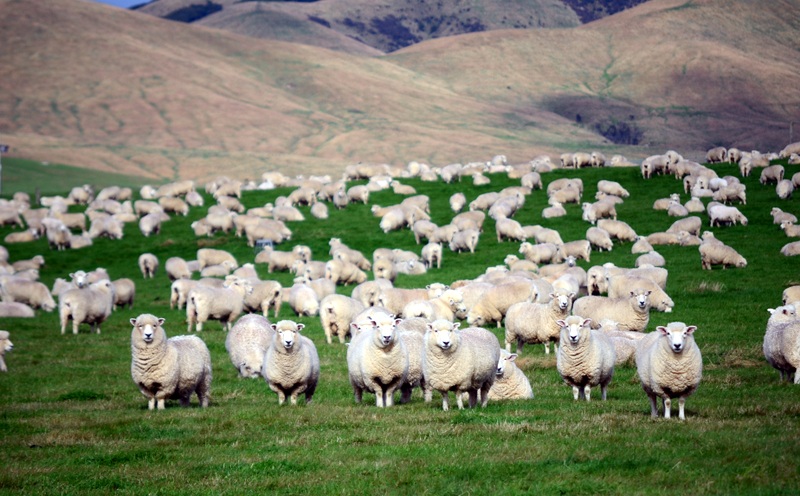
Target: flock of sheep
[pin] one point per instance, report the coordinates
(402, 338)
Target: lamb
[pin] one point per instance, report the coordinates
(124, 292)
(177, 268)
(291, 364)
(247, 344)
(510, 382)
(617, 229)
(585, 357)
(5, 346)
(669, 365)
(168, 368)
(528, 322)
(32, 293)
(782, 342)
(377, 359)
(723, 214)
(509, 229)
(211, 256)
(90, 305)
(336, 313)
(224, 304)
(632, 312)
(465, 240)
(460, 361)
(720, 254)
(148, 264)
(772, 174)
(599, 238)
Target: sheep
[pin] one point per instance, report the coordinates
(720, 254)
(150, 224)
(791, 295)
(619, 284)
(90, 305)
(651, 258)
(473, 219)
(716, 155)
(723, 214)
(303, 300)
(692, 225)
(5, 346)
(694, 205)
(124, 292)
(26, 236)
(510, 382)
(498, 299)
(460, 361)
(343, 272)
(532, 180)
(624, 341)
(457, 202)
(336, 313)
(509, 229)
(291, 364)
(264, 295)
(220, 270)
(617, 229)
(32, 293)
(612, 188)
(791, 249)
(730, 194)
(225, 304)
(631, 312)
(247, 343)
(598, 210)
(554, 211)
(15, 309)
(343, 252)
(177, 268)
(580, 249)
(377, 359)
(168, 368)
(539, 253)
(599, 238)
(779, 216)
(677, 210)
(211, 256)
(784, 189)
(395, 299)
(530, 322)
(781, 345)
(465, 240)
(772, 174)
(148, 264)
(664, 203)
(585, 357)
(669, 365)
(449, 305)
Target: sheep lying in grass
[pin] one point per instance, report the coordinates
(510, 382)
(90, 305)
(585, 357)
(14, 309)
(377, 359)
(669, 365)
(720, 254)
(247, 342)
(460, 361)
(529, 322)
(632, 313)
(291, 364)
(5, 346)
(447, 306)
(782, 342)
(32, 293)
(168, 368)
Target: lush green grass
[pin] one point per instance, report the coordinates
(72, 421)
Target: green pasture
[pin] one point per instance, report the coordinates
(73, 422)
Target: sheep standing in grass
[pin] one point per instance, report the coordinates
(460, 361)
(168, 368)
(782, 342)
(632, 312)
(585, 357)
(528, 322)
(247, 344)
(720, 254)
(377, 359)
(336, 313)
(148, 264)
(291, 364)
(224, 304)
(5, 346)
(90, 305)
(669, 365)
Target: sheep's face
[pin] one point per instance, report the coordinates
(445, 333)
(147, 327)
(677, 335)
(572, 329)
(502, 363)
(386, 330)
(475, 319)
(287, 337)
(5, 343)
(642, 298)
(562, 301)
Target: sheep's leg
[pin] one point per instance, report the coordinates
(460, 400)
(667, 407)
(508, 344)
(185, 400)
(405, 393)
(151, 403)
(587, 392)
(603, 391)
(575, 392)
(389, 396)
(473, 397)
(485, 395)
(547, 347)
(293, 397)
(796, 376)
(427, 394)
(653, 406)
(161, 403)
(75, 325)
(681, 405)
(446, 401)
(358, 393)
(281, 396)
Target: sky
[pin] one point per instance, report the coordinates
(122, 3)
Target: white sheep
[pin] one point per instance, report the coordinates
(510, 382)
(619, 284)
(772, 174)
(612, 188)
(600, 209)
(177, 268)
(651, 258)
(32, 293)
(247, 342)
(779, 216)
(539, 253)
(791, 295)
(124, 292)
(617, 229)
(377, 359)
(460, 361)
(496, 301)
(669, 365)
(465, 240)
(632, 312)
(211, 256)
(395, 299)
(14, 309)
(336, 313)
(724, 214)
(782, 342)
(148, 264)
(509, 229)
(303, 300)
(90, 305)
(580, 249)
(291, 363)
(168, 368)
(449, 306)
(599, 238)
(457, 202)
(784, 189)
(791, 249)
(531, 322)
(585, 357)
(5, 346)
(225, 304)
(432, 254)
(720, 254)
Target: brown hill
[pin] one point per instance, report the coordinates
(91, 85)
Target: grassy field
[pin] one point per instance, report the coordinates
(73, 422)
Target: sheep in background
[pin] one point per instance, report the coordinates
(5, 346)
(585, 357)
(457, 202)
(779, 216)
(510, 382)
(784, 189)
(32, 293)
(224, 304)
(90, 305)
(168, 368)
(771, 174)
(791, 249)
(530, 322)
(148, 264)
(291, 364)
(782, 342)
(465, 240)
(669, 365)
(14, 309)
(336, 314)
(247, 343)
(124, 292)
(632, 312)
(720, 254)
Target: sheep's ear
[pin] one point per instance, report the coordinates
(161, 321)
(663, 330)
(300, 327)
(354, 327)
(633, 294)
(133, 322)
(647, 293)
(771, 310)
(397, 321)
(512, 357)
(586, 322)
(690, 330)
(455, 326)
(572, 294)
(561, 323)
(428, 326)
(553, 296)
(274, 327)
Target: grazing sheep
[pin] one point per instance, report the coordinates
(177, 268)
(580, 249)
(465, 240)
(344, 273)
(32, 293)
(14, 309)
(720, 254)
(784, 189)
(632, 312)
(247, 343)
(150, 224)
(772, 174)
(624, 342)
(211, 256)
(395, 299)
(303, 300)
(148, 264)
(90, 305)
(530, 322)
(509, 229)
(651, 258)
(168, 368)
(124, 292)
(716, 155)
(598, 210)
(669, 365)
(782, 342)
(540, 253)
(460, 361)
(225, 304)
(377, 359)
(457, 202)
(617, 229)
(532, 180)
(599, 238)
(5, 346)
(723, 214)
(432, 254)
(336, 313)
(692, 225)
(291, 363)
(585, 357)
